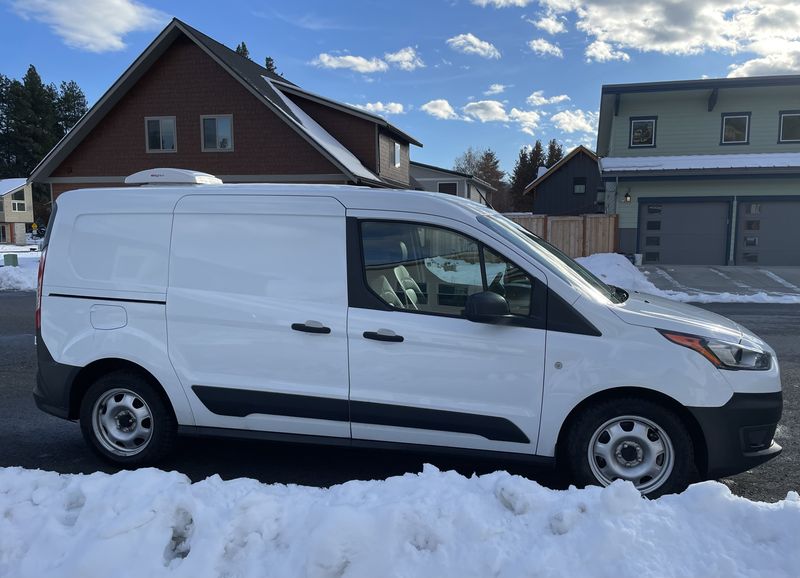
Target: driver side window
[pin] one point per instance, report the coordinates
(430, 269)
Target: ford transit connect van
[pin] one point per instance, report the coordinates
(366, 317)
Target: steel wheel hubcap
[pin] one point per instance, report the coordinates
(631, 448)
(122, 422)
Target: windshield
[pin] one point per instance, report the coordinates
(549, 256)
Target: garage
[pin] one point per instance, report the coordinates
(685, 233)
(767, 232)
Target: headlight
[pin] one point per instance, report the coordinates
(722, 354)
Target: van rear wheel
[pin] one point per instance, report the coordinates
(126, 421)
(631, 439)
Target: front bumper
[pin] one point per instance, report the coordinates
(739, 435)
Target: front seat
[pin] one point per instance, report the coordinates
(408, 285)
(384, 290)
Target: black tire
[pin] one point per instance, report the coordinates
(153, 418)
(588, 423)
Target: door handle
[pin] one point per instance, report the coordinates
(311, 327)
(384, 335)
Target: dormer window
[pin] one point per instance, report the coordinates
(735, 128)
(643, 131)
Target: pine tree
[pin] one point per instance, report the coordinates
(70, 106)
(555, 152)
(32, 121)
(241, 50)
(269, 64)
(488, 169)
(519, 176)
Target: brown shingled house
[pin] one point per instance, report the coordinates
(190, 102)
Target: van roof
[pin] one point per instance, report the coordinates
(350, 196)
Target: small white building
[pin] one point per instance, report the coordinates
(440, 180)
(16, 210)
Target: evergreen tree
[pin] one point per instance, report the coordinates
(537, 158)
(32, 122)
(488, 169)
(555, 152)
(269, 64)
(70, 106)
(241, 50)
(519, 179)
(5, 131)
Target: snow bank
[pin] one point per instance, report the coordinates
(616, 270)
(22, 278)
(153, 523)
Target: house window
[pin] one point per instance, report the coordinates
(643, 131)
(396, 157)
(579, 185)
(160, 134)
(18, 202)
(790, 126)
(735, 128)
(448, 188)
(217, 133)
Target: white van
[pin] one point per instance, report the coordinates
(366, 317)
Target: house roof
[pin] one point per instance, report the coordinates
(255, 78)
(703, 84)
(11, 185)
(552, 170)
(677, 164)
(476, 180)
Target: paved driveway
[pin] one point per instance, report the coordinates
(33, 439)
(737, 280)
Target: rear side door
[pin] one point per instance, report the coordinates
(420, 372)
(257, 310)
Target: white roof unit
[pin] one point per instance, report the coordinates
(171, 177)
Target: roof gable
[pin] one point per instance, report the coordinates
(580, 149)
(255, 78)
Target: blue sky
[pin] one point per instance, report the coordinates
(453, 73)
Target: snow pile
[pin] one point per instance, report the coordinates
(617, 270)
(22, 278)
(153, 523)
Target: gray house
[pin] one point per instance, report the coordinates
(704, 172)
(569, 187)
(436, 179)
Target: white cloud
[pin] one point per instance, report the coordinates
(576, 120)
(599, 51)
(383, 108)
(550, 24)
(440, 108)
(496, 89)
(486, 111)
(348, 61)
(528, 120)
(92, 25)
(768, 31)
(405, 59)
(470, 44)
(502, 3)
(544, 48)
(538, 98)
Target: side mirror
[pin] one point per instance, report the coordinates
(487, 307)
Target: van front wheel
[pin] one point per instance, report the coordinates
(126, 421)
(631, 439)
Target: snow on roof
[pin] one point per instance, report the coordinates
(324, 138)
(700, 162)
(10, 185)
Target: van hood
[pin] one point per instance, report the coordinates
(651, 311)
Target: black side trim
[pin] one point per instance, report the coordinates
(95, 298)
(244, 402)
(561, 316)
(490, 427)
(201, 431)
(53, 381)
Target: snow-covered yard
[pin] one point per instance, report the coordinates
(22, 278)
(154, 523)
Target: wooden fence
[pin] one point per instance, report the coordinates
(576, 236)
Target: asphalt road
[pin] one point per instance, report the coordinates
(33, 439)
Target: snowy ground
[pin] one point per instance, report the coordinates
(616, 270)
(22, 278)
(153, 523)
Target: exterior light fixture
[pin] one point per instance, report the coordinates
(627, 197)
